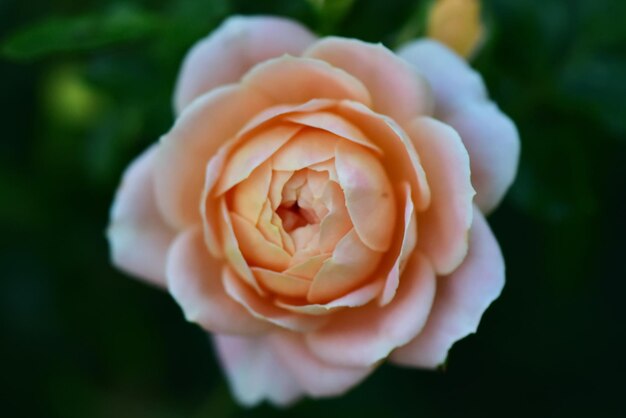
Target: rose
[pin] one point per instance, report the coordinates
(315, 211)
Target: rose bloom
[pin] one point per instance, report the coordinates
(318, 206)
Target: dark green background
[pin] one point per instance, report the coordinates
(87, 85)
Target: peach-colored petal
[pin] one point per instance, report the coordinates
(310, 146)
(453, 81)
(359, 297)
(316, 377)
(316, 182)
(232, 49)
(253, 153)
(409, 240)
(264, 309)
(210, 209)
(282, 284)
(327, 166)
(275, 112)
(350, 266)
(232, 251)
(337, 222)
(270, 226)
(249, 196)
(184, 153)
(461, 300)
(444, 226)
(255, 248)
(308, 268)
(369, 196)
(290, 80)
(279, 179)
(492, 142)
(399, 156)
(255, 372)
(194, 280)
(138, 235)
(397, 89)
(362, 337)
(332, 123)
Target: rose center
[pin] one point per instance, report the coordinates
(301, 202)
(293, 216)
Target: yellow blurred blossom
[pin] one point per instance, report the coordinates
(457, 24)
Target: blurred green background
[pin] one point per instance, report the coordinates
(87, 85)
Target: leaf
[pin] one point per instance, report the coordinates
(66, 34)
(331, 12)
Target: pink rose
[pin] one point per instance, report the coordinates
(312, 206)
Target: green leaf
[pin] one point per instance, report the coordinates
(66, 34)
(331, 12)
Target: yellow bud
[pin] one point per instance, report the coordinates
(457, 24)
(69, 99)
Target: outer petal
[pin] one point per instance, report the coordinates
(138, 235)
(194, 280)
(461, 100)
(316, 377)
(232, 49)
(397, 89)
(492, 141)
(444, 226)
(453, 81)
(461, 300)
(186, 150)
(290, 80)
(362, 337)
(255, 372)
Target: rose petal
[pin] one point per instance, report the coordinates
(327, 166)
(350, 265)
(397, 89)
(309, 147)
(138, 235)
(332, 123)
(270, 226)
(255, 372)
(359, 297)
(194, 280)
(184, 152)
(264, 309)
(399, 156)
(308, 268)
(279, 179)
(461, 300)
(282, 284)
(453, 81)
(369, 196)
(232, 251)
(293, 80)
(362, 337)
(492, 142)
(314, 376)
(444, 226)
(408, 243)
(249, 196)
(232, 49)
(254, 152)
(255, 248)
(337, 222)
